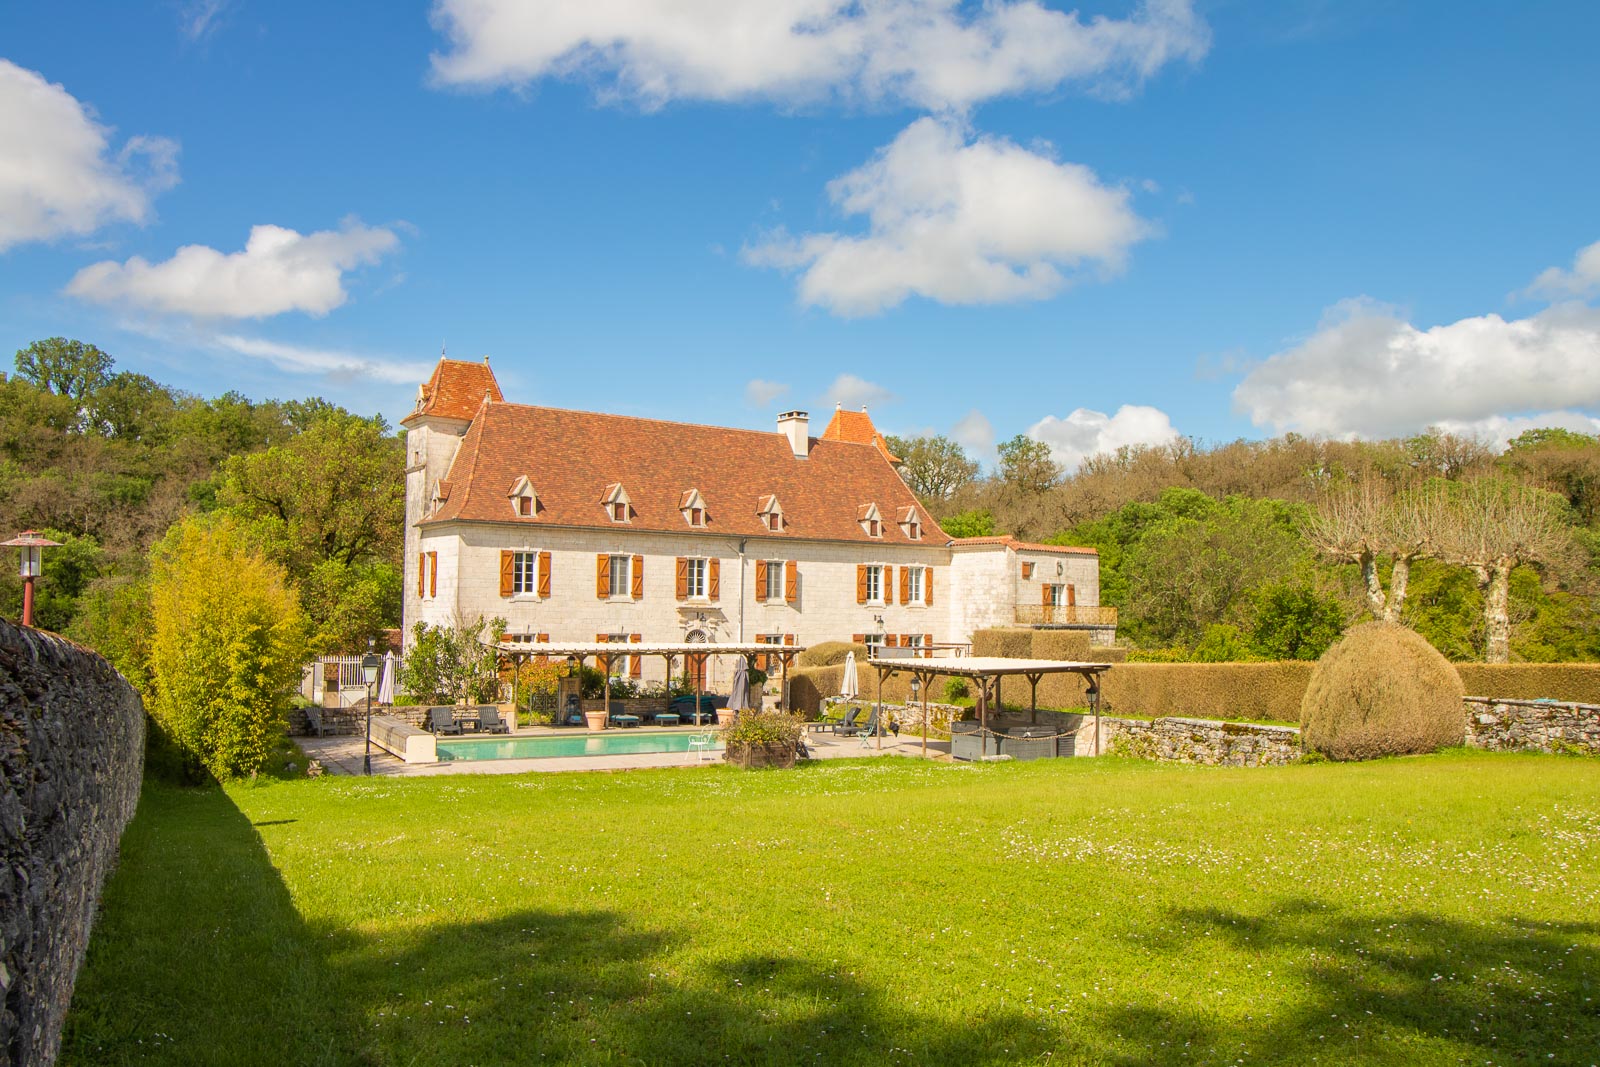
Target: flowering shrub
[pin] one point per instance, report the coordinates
(766, 728)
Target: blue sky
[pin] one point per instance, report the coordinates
(1222, 219)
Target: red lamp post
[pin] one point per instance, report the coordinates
(32, 546)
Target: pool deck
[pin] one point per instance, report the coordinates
(342, 755)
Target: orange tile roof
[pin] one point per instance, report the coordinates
(571, 457)
(455, 390)
(1031, 546)
(857, 426)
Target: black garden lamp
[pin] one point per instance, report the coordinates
(371, 663)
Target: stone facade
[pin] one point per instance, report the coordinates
(1206, 741)
(71, 758)
(1533, 726)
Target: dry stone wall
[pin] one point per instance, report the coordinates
(1533, 726)
(71, 758)
(1205, 741)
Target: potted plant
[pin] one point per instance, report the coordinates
(595, 718)
(763, 739)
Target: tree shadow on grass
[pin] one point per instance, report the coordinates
(1389, 989)
(200, 957)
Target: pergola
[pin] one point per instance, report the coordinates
(605, 653)
(987, 672)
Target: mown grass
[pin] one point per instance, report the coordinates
(1429, 910)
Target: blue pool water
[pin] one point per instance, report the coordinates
(611, 743)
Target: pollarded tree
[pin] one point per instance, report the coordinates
(227, 641)
(1489, 526)
(934, 467)
(1359, 523)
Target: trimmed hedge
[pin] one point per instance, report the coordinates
(1382, 690)
(1107, 654)
(1576, 682)
(828, 653)
(1005, 643)
(1070, 645)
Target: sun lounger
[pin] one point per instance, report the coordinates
(847, 725)
(490, 722)
(620, 719)
(442, 720)
(871, 729)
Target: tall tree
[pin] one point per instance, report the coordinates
(1027, 465)
(1360, 522)
(1562, 461)
(1489, 526)
(66, 368)
(934, 467)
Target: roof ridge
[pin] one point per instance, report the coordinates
(672, 422)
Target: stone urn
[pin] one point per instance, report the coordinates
(595, 718)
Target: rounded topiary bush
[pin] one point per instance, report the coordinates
(1382, 691)
(828, 653)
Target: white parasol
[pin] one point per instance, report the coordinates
(850, 685)
(386, 687)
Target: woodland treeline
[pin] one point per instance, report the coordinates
(1268, 549)
(110, 463)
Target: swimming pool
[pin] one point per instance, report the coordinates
(612, 743)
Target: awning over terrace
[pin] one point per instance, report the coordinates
(605, 653)
(987, 672)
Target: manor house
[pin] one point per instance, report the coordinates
(578, 526)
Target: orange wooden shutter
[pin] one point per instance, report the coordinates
(422, 574)
(1044, 595)
(635, 663)
(788, 639)
(543, 639)
(1072, 596)
(859, 639)
(927, 585)
(638, 577)
(683, 578)
(892, 640)
(905, 585)
(761, 579)
(602, 576)
(433, 574)
(927, 646)
(715, 591)
(861, 583)
(507, 561)
(1027, 570)
(791, 581)
(544, 576)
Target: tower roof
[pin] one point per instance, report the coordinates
(455, 390)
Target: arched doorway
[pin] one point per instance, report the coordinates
(694, 664)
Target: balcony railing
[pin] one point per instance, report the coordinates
(1067, 615)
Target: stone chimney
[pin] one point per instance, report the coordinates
(796, 426)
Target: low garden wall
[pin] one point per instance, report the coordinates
(71, 758)
(1205, 741)
(1533, 726)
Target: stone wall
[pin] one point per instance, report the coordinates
(1222, 744)
(1533, 726)
(71, 758)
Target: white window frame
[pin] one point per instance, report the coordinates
(1058, 594)
(525, 559)
(874, 642)
(621, 666)
(621, 576)
(698, 574)
(875, 573)
(777, 580)
(916, 585)
(914, 642)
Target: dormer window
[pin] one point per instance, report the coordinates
(617, 504)
(771, 514)
(441, 493)
(911, 523)
(524, 501)
(693, 508)
(871, 520)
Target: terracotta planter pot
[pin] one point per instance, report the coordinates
(595, 720)
(726, 717)
(755, 756)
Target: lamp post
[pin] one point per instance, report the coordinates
(370, 664)
(916, 687)
(32, 546)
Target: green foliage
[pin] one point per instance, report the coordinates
(1382, 691)
(454, 664)
(956, 690)
(226, 645)
(1292, 620)
(350, 605)
(1027, 465)
(66, 368)
(934, 467)
(1222, 643)
(764, 728)
(977, 522)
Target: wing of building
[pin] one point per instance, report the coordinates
(580, 526)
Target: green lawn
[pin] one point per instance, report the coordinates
(1433, 910)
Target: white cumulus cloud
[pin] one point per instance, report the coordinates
(279, 270)
(975, 433)
(758, 393)
(1085, 433)
(849, 391)
(1582, 280)
(300, 359)
(957, 220)
(59, 174)
(1368, 372)
(933, 54)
